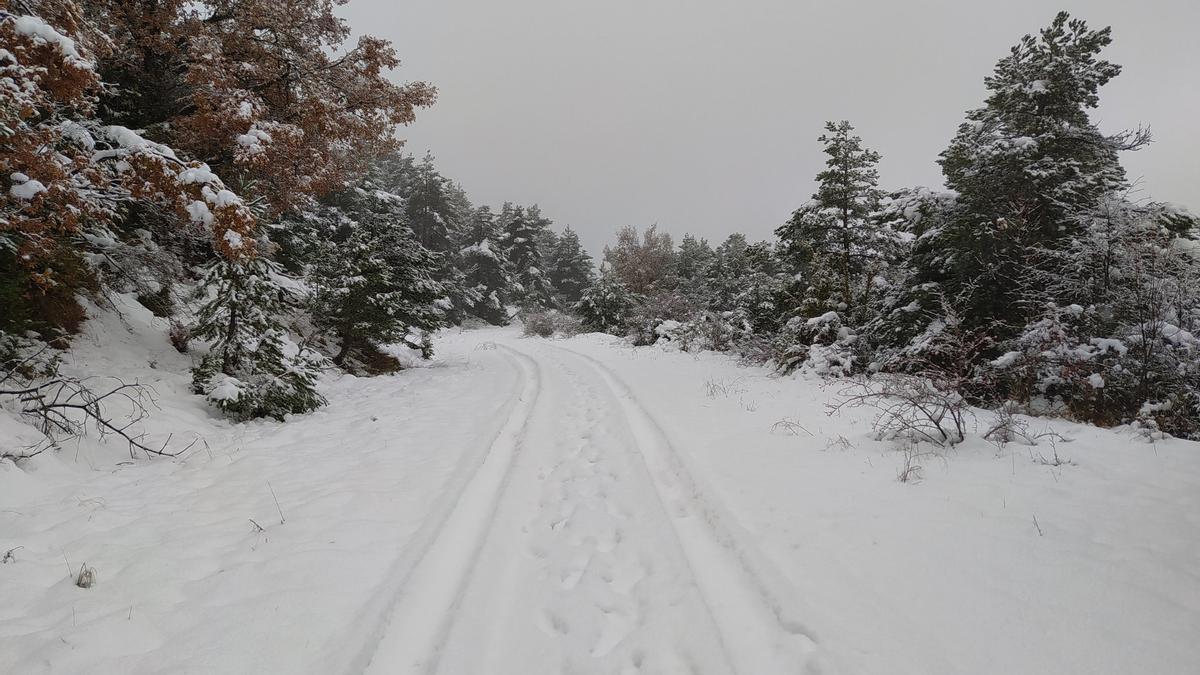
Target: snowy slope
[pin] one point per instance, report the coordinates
(531, 506)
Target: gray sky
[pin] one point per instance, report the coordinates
(703, 116)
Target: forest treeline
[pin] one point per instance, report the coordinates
(235, 166)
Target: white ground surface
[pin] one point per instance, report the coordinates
(525, 506)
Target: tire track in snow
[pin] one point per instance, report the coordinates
(581, 573)
(749, 599)
(414, 623)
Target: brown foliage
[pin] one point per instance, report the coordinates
(254, 89)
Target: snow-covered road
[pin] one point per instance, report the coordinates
(583, 545)
(543, 507)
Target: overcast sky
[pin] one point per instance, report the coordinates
(702, 116)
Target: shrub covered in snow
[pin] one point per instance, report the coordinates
(607, 306)
(820, 344)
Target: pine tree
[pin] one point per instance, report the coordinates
(1027, 166)
(252, 368)
(522, 231)
(376, 284)
(693, 258)
(570, 268)
(607, 305)
(724, 274)
(431, 207)
(833, 240)
(286, 118)
(486, 270)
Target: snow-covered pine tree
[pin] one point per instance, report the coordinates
(910, 308)
(252, 368)
(569, 268)
(723, 275)
(692, 259)
(833, 241)
(607, 305)
(522, 231)
(375, 285)
(432, 207)
(484, 266)
(1027, 166)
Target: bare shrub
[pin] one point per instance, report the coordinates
(66, 406)
(913, 468)
(911, 471)
(724, 388)
(1007, 427)
(909, 407)
(790, 426)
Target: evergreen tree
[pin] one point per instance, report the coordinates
(833, 240)
(252, 369)
(724, 274)
(1027, 166)
(432, 207)
(607, 305)
(486, 270)
(570, 267)
(693, 258)
(522, 231)
(376, 285)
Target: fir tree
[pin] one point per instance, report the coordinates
(432, 207)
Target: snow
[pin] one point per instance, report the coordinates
(534, 506)
(827, 317)
(27, 189)
(77, 133)
(200, 174)
(225, 198)
(128, 139)
(253, 140)
(41, 32)
(1005, 360)
(234, 239)
(199, 212)
(225, 388)
(1096, 380)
